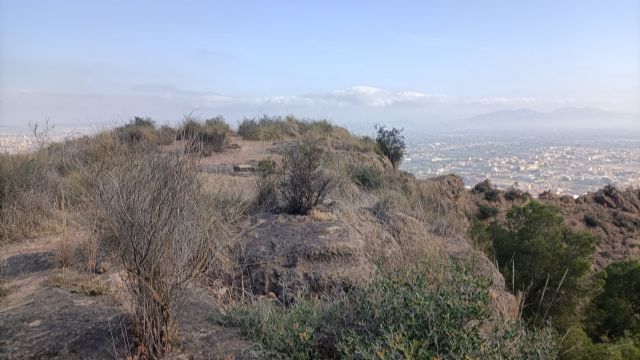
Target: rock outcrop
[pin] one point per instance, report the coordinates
(339, 247)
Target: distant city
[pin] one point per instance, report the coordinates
(564, 162)
(21, 140)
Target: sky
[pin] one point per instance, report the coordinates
(353, 62)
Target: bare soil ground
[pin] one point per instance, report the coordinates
(40, 321)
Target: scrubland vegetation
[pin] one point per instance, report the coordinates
(550, 264)
(140, 193)
(421, 313)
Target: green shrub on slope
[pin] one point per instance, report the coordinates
(537, 254)
(410, 315)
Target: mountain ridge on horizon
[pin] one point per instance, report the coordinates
(582, 117)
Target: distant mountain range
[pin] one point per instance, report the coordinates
(560, 118)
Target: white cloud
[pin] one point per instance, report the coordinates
(377, 97)
(355, 104)
(367, 96)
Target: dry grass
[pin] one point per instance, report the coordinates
(439, 204)
(321, 215)
(3, 289)
(64, 253)
(90, 285)
(64, 249)
(27, 215)
(28, 196)
(87, 251)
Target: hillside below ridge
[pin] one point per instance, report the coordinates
(376, 219)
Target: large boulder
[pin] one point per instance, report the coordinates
(289, 256)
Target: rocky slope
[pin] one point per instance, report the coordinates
(612, 215)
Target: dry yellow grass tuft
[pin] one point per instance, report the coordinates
(90, 285)
(88, 254)
(321, 215)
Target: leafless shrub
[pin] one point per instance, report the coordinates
(304, 184)
(41, 133)
(150, 204)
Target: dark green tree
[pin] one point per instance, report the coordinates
(392, 144)
(539, 255)
(615, 312)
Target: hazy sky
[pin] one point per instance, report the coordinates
(104, 61)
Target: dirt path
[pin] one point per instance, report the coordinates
(41, 321)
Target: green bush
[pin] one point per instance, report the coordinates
(615, 312)
(492, 195)
(392, 144)
(283, 333)
(486, 211)
(576, 345)
(267, 167)
(267, 128)
(206, 143)
(276, 128)
(591, 220)
(321, 128)
(190, 129)
(481, 238)
(513, 194)
(143, 130)
(366, 176)
(483, 186)
(304, 183)
(143, 122)
(408, 315)
(218, 124)
(539, 255)
(204, 139)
